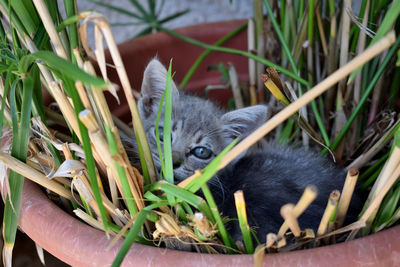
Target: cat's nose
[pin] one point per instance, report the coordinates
(176, 163)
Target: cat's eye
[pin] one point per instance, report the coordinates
(160, 133)
(201, 152)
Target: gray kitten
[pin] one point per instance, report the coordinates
(269, 177)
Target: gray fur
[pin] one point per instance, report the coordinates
(195, 122)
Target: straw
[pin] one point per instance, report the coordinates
(317, 90)
(290, 219)
(347, 193)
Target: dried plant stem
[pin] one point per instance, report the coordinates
(317, 90)
(347, 193)
(234, 80)
(103, 24)
(50, 28)
(55, 90)
(359, 162)
(329, 211)
(321, 33)
(122, 126)
(374, 204)
(108, 121)
(34, 175)
(258, 256)
(290, 219)
(358, 80)
(89, 220)
(81, 184)
(100, 142)
(83, 95)
(384, 176)
(251, 47)
(310, 193)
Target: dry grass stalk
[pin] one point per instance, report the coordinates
(82, 186)
(251, 47)
(290, 219)
(357, 81)
(273, 87)
(240, 204)
(273, 242)
(360, 48)
(101, 144)
(317, 90)
(82, 95)
(321, 33)
(384, 176)
(99, 141)
(273, 82)
(330, 208)
(89, 220)
(104, 26)
(377, 92)
(34, 175)
(122, 232)
(260, 66)
(50, 28)
(345, 198)
(390, 174)
(234, 81)
(258, 256)
(7, 111)
(364, 158)
(55, 90)
(340, 117)
(309, 194)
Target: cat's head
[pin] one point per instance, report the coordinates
(199, 129)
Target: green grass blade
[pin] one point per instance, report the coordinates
(168, 169)
(181, 194)
(19, 150)
(244, 226)
(141, 9)
(174, 16)
(387, 209)
(157, 131)
(217, 217)
(27, 14)
(87, 148)
(72, 29)
(117, 9)
(130, 238)
(129, 199)
(67, 68)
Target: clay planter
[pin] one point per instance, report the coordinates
(81, 245)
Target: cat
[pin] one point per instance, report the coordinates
(270, 176)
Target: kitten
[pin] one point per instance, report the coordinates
(269, 177)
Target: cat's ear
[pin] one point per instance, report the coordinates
(242, 122)
(153, 86)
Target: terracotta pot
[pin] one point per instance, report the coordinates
(81, 245)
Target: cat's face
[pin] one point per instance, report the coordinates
(199, 131)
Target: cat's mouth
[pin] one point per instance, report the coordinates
(180, 173)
